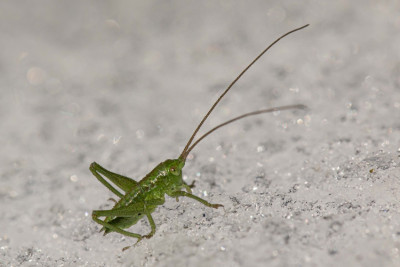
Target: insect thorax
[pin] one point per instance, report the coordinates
(164, 178)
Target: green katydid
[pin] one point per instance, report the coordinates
(142, 198)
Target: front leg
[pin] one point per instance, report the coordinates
(202, 201)
(189, 187)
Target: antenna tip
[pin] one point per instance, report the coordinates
(301, 106)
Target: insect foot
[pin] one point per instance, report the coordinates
(139, 239)
(216, 206)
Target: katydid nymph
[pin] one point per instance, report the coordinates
(141, 198)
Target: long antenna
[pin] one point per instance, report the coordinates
(241, 117)
(185, 150)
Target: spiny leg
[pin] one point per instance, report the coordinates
(121, 181)
(152, 224)
(149, 235)
(114, 228)
(126, 222)
(95, 169)
(202, 201)
(135, 209)
(125, 211)
(121, 222)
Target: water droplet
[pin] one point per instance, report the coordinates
(260, 148)
(73, 178)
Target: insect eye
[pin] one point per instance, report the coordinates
(174, 170)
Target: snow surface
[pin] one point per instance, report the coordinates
(124, 83)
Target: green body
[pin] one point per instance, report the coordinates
(141, 198)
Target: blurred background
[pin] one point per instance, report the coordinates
(125, 83)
